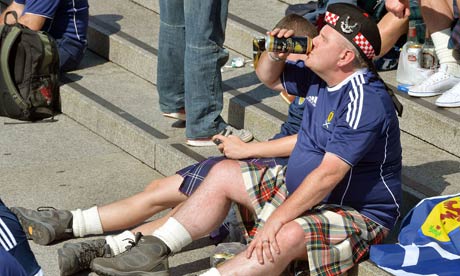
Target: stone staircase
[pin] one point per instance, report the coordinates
(114, 95)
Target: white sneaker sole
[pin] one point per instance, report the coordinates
(200, 143)
(175, 115)
(454, 104)
(423, 94)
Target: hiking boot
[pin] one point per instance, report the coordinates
(243, 134)
(46, 224)
(75, 257)
(435, 84)
(148, 255)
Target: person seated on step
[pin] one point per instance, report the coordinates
(441, 19)
(16, 258)
(65, 20)
(45, 226)
(341, 189)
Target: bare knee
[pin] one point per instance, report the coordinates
(291, 237)
(226, 177)
(224, 171)
(154, 185)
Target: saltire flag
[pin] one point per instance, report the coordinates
(429, 241)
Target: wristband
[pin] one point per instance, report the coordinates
(275, 59)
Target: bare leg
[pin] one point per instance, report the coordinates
(290, 239)
(437, 14)
(158, 196)
(149, 227)
(209, 205)
(391, 29)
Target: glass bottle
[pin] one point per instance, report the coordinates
(413, 47)
(429, 58)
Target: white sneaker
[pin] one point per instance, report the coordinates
(180, 115)
(450, 98)
(434, 85)
(243, 134)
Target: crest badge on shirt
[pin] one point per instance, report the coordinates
(328, 121)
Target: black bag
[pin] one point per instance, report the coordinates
(29, 73)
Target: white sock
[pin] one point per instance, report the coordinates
(86, 222)
(173, 234)
(118, 243)
(212, 272)
(445, 55)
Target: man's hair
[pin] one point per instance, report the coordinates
(300, 25)
(358, 62)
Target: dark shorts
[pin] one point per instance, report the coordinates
(71, 53)
(336, 237)
(9, 266)
(14, 241)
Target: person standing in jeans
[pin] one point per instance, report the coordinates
(190, 56)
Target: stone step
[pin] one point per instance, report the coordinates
(114, 111)
(126, 113)
(117, 35)
(118, 100)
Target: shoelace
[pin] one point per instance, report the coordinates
(436, 77)
(88, 253)
(133, 243)
(45, 208)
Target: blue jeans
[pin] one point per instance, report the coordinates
(190, 55)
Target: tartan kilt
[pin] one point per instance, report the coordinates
(336, 237)
(194, 174)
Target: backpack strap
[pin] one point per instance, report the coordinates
(5, 68)
(15, 15)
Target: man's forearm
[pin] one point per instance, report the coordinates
(269, 70)
(18, 8)
(313, 189)
(281, 147)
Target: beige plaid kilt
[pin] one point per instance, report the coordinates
(336, 237)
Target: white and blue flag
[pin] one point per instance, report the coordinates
(429, 241)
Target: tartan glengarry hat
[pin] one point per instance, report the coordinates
(356, 26)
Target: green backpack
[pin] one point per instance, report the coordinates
(29, 73)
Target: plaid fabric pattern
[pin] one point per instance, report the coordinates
(336, 237)
(454, 41)
(194, 174)
(364, 44)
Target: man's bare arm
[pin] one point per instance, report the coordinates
(314, 188)
(32, 21)
(234, 148)
(271, 65)
(400, 8)
(18, 8)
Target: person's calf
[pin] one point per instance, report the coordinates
(290, 240)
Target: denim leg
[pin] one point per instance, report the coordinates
(71, 52)
(205, 22)
(171, 50)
